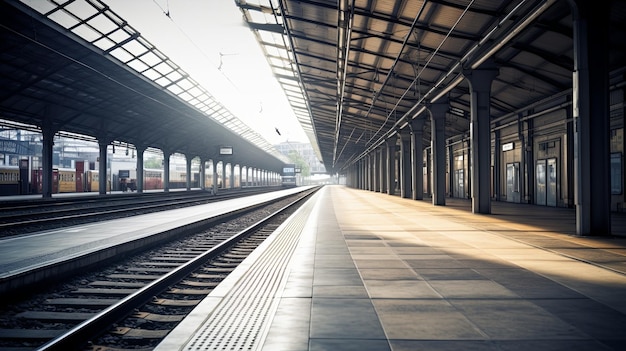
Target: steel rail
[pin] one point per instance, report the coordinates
(138, 204)
(80, 335)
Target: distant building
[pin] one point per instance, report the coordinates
(306, 152)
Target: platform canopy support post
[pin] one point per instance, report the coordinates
(140, 178)
(592, 191)
(382, 169)
(405, 164)
(166, 170)
(188, 159)
(390, 169)
(417, 158)
(46, 172)
(103, 144)
(374, 165)
(480, 80)
(438, 147)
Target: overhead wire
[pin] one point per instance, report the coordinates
(166, 11)
(426, 64)
(168, 14)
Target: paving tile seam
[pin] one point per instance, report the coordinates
(526, 242)
(516, 266)
(473, 298)
(557, 252)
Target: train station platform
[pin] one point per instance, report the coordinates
(45, 254)
(359, 270)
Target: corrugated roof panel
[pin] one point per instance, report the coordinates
(386, 6)
(370, 44)
(410, 9)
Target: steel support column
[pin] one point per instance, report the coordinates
(438, 147)
(231, 177)
(592, 193)
(366, 172)
(213, 176)
(405, 164)
(497, 167)
(480, 135)
(188, 169)
(417, 158)
(47, 134)
(202, 174)
(140, 177)
(390, 172)
(240, 176)
(370, 171)
(376, 170)
(166, 170)
(362, 173)
(103, 144)
(382, 180)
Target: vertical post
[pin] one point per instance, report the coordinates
(166, 171)
(240, 176)
(201, 175)
(480, 135)
(223, 177)
(417, 158)
(497, 167)
(214, 176)
(390, 145)
(46, 171)
(438, 148)
(451, 170)
(382, 167)
(375, 170)
(405, 164)
(370, 171)
(188, 171)
(591, 119)
(103, 144)
(231, 181)
(140, 177)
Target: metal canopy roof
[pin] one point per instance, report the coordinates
(77, 67)
(355, 71)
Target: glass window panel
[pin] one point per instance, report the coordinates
(121, 55)
(103, 24)
(137, 65)
(87, 32)
(64, 19)
(104, 43)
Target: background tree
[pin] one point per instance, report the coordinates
(153, 162)
(296, 158)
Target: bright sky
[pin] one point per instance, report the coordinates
(193, 37)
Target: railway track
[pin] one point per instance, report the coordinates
(17, 218)
(134, 304)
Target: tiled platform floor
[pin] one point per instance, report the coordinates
(377, 272)
(384, 273)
